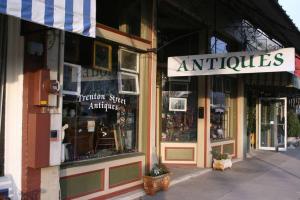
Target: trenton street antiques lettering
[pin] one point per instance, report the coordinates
(101, 101)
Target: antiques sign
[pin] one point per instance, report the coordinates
(232, 63)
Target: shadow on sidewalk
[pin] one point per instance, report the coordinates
(294, 153)
(287, 162)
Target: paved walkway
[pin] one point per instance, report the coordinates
(265, 176)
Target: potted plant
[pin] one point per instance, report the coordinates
(157, 179)
(221, 161)
(293, 127)
(251, 125)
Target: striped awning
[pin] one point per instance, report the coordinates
(78, 16)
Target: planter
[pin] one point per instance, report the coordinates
(293, 141)
(222, 164)
(152, 184)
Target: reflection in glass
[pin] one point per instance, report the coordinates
(71, 78)
(221, 109)
(179, 119)
(100, 121)
(272, 123)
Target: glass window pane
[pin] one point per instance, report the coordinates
(70, 78)
(101, 120)
(179, 119)
(221, 110)
(217, 45)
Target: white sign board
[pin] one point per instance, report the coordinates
(232, 63)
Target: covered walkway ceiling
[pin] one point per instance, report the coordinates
(191, 15)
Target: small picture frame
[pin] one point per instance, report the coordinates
(102, 56)
(177, 104)
(128, 61)
(72, 79)
(128, 83)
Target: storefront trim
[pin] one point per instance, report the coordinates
(206, 117)
(102, 26)
(79, 163)
(78, 176)
(106, 167)
(139, 164)
(109, 33)
(224, 145)
(186, 153)
(168, 149)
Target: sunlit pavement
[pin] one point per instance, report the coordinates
(266, 175)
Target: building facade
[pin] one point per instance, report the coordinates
(78, 110)
(86, 117)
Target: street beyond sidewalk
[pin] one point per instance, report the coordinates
(265, 176)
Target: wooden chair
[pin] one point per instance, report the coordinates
(104, 139)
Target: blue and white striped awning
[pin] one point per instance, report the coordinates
(78, 16)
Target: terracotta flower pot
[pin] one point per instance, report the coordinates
(152, 184)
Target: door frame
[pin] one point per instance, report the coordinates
(285, 123)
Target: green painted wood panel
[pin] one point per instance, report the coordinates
(228, 148)
(185, 154)
(81, 184)
(217, 149)
(124, 174)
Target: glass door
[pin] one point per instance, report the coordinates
(272, 124)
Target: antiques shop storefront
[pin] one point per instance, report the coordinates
(203, 103)
(105, 103)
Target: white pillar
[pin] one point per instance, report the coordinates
(50, 176)
(14, 106)
(241, 122)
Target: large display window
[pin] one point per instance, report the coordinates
(179, 119)
(100, 102)
(222, 108)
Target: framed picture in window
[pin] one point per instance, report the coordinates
(177, 104)
(128, 61)
(128, 83)
(102, 56)
(72, 79)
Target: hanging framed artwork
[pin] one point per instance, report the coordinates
(128, 61)
(128, 83)
(102, 56)
(177, 104)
